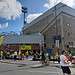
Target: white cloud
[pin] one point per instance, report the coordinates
(5, 25)
(46, 5)
(51, 3)
(10, 9)
(69, 2)
(31, 17)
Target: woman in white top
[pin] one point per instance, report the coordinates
(64, 63)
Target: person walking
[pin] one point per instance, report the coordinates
(43, 58)
(64, 62)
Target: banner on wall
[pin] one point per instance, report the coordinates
(57, 43)
(25, 47)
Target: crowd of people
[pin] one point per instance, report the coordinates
(64, 57)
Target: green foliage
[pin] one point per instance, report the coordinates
(1, 40)
(73, 51)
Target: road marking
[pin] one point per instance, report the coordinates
(57, 73)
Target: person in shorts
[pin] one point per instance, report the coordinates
(64, 63)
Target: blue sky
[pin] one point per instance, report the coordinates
(12, 19)
(34, 6)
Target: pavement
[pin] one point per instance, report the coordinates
(20, 62)
(32, 63)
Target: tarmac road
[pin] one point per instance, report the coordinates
(13, 69)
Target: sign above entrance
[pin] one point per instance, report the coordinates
(25, 47)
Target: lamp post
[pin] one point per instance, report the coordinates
(24, 10)
(56, 35)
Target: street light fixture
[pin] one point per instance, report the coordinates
(24, 10)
